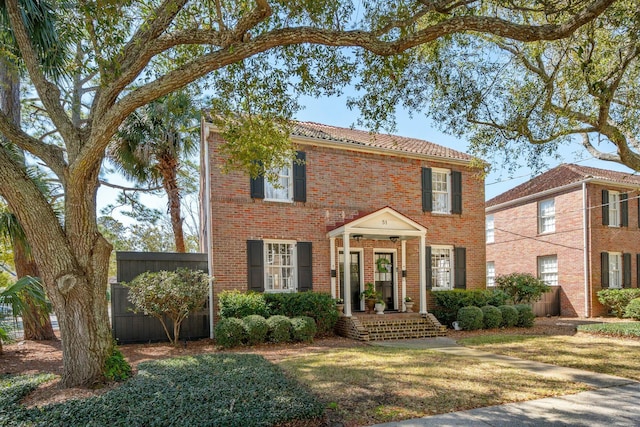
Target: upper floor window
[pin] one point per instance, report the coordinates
(441, 191)
(547, 216)
(441, 195)
(491, 273)
(548, 269)
(490, 229)
(614, 209)
(282, 188)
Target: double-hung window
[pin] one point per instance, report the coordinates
(614, 209)
(490, 229)
(548, 269)
(491, 273)
(441, 193)
(279, 266)
(547, 216)
(282, 189)
(442, 267)
(615, 270)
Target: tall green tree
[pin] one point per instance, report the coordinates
(259, 55)
(152, 143)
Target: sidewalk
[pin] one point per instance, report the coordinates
(615, 402)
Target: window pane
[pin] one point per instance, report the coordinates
(491, 273)
(279, 271)
(615, 270)
(441, 268)
(440, 192)
(490, 229)
(614, 209)
(547, 215)
(281, 191)
(548, 269)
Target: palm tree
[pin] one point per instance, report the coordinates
(150, 145)
(16, 295)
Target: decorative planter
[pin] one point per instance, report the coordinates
(370, 303)
(340, 308)
(409, 306)
(379, 307)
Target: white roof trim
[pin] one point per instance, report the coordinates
(385, 222)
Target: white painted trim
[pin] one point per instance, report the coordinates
(347, 275)
(585, 250)
(452, 274)
(332, 257)
(423, 274)
(294, 243)
(204, 145)
(361, 284)
(394, 276)
(403, 270)
(352, 226)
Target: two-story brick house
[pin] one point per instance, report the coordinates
(574, 226)
(416, 205)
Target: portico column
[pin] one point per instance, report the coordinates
(346, 282)
(404, 274)
(332, 255)
(423, 275)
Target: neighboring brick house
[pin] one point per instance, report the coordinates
(418, 205)
(574, 226)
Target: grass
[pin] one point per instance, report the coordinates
(213, 389)
(372, 384)
(614, 329)
(596, 353)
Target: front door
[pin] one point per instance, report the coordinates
(383, 275)
(355, 279)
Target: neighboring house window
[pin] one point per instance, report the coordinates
(279, 266)
(614, 209)
(440, 196)
(548, 269)
(547, 216)
(491, 273)
(490, 229)
(441, 267)
(615, 270)
(282, 189)
(290, 185)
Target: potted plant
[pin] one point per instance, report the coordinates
(340, 305)
(369, 295)
(408, 303)
(380, 306)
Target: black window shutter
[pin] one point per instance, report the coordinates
(300, 177)
(626, 270)
(456, 192)
(460, 271)
(624, 210)
(427, 252)
(427, 203)
(255, 265)
(605, 207)
(257, 186)
(604, 269)
(305, 276)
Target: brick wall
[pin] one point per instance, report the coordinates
(341, 185)
(518, 244)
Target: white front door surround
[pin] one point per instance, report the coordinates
(383, 224)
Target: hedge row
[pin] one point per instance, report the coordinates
(488, 317)
(319, 306)
(617, 300)
(448, 303)
(255, 329)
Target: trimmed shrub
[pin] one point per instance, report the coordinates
(633, 309)
(522, 288)
(525, 316)
(492, 316)
(303, 329)
(470, 318)
(449, 302)
(617, 300)
(230, 332)
(319, 306)
(279, 328)
(509, 316)
(255, 328)
(240, 305)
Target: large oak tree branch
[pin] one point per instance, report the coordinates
(51, 155)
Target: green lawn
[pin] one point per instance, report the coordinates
(596, 353)
(630, 329)
(215, 389)
(370, 385)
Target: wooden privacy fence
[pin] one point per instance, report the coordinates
(128, 327)
(549, 304)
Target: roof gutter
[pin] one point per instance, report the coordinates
(204, 145)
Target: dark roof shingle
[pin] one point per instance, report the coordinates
(560, 176)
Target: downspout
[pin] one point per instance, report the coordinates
(207, 210)
(585, 250)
